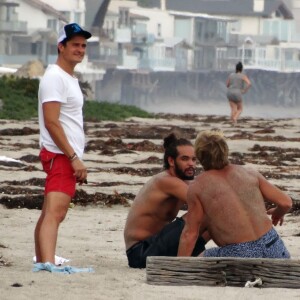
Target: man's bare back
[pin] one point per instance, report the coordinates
(229, 201)
(154, 207)
(232, 194)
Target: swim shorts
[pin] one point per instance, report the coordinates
(60, 174)
(164, 243)
(234, 96)
(270, 245)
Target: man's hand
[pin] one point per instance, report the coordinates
(80, 171)
(276, 216)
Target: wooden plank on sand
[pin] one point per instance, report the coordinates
(224, 271)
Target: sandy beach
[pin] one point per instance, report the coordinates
(121, 157)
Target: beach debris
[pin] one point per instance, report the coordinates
(10, 162)
(265, 130)
(30, 158)
(18, 131)
(256, 282)
(9, 159)
(82, 198)
(150, 160)
(4, 262)
(17, 284)
(145, 146)
(142, 142)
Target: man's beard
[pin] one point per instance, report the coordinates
(181, 174)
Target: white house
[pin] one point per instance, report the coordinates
(73, 10)
(30, 31)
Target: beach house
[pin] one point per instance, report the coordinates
(28, 31)
(264, 32)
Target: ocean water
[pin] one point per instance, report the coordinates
(223, 109)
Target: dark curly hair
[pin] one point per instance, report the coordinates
(239, 67)
(171, 142)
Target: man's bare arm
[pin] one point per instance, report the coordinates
(274, 195)
(193, 223)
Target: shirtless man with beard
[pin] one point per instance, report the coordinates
(152, 228)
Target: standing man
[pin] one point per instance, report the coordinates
(61, 137)
(150, 228)
(228, 200)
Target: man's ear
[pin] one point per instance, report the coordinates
(60, 46)
(171, 161)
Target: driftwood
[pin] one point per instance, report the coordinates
(276, 273)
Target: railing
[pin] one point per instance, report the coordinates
(13, 26)
(16, 59)
(273, 65)
(166, 64)
(228, 64)
(269, 64)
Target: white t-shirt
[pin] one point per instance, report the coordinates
(58, 85)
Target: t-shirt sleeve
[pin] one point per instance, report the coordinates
(52, 88)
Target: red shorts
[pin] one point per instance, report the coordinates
(60, 174)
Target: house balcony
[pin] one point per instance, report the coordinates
(13, 27)
(163, 64)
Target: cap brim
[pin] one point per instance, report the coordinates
(83, 33)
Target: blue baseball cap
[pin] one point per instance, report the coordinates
(71, 30)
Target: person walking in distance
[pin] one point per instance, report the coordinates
(237, 85)
(61, 137)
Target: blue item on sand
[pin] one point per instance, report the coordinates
(55, 269)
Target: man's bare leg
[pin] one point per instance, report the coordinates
(55, 208)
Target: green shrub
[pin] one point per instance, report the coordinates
(19, 102)
(104, 111)
(19, 98)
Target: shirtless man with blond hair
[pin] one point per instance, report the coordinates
(152, 228)
(228, 201)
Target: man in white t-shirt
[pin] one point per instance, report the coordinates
(61, 137)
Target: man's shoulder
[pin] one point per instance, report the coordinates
(51, 72)
(166, 179)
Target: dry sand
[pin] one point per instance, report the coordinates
(92, 235)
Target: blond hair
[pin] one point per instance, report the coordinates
(211, 149)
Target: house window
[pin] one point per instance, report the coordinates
(66, 14)
(9, 13)
(235, 26)
(159, 30)
(52, 23)
(124, 16)
(34, 48)
(280, 29)
(199, 31)
(77, 17)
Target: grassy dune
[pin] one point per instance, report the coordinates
(18, 101)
